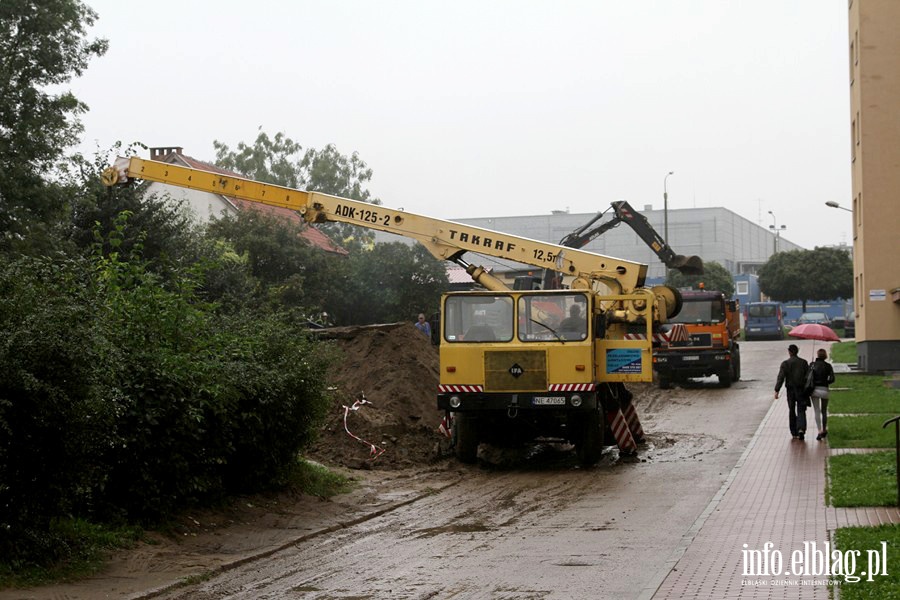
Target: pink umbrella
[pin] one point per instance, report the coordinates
(814, 331)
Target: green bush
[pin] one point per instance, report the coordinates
(123, 397)
(276, 375)
(56, 423)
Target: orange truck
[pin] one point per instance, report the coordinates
(708, 327)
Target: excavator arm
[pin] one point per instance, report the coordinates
(444, 239)
(624, 213)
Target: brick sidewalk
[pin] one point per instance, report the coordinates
(775, 493)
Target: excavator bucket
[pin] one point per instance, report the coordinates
(689, 265)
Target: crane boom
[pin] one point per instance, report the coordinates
(444, 239)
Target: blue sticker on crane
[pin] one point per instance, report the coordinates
(623, 360)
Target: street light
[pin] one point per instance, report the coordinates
(834, 204)
(774, 227)
(666, 207)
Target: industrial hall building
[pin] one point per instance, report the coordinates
(714, 234)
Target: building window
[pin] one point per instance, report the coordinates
(853, 140)
(852, 59)
(743, 288)
(860, 291)
(856, 56)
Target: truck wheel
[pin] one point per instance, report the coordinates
(665, 381)
(736, 363)
(465, 438)
(589, 446)
(725, 378)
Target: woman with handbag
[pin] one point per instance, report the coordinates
(823, 376)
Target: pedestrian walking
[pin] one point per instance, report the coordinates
(792, 374)
(823, 376)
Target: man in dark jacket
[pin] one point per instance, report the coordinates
(792, 374)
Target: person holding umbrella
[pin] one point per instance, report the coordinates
(792, 374)
(823, 376)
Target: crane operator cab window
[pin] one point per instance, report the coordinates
(544, 317)
(478, 318)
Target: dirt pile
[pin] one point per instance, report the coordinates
(396, 367)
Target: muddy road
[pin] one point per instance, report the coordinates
(532, 524)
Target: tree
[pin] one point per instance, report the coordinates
(271, 160)
(42, 44)
(385, 283)
(164, 229)
(714, 277)
(819, 274)
(390, 282)
(289, 273)
(282, 161)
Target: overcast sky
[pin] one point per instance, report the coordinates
(498, 108)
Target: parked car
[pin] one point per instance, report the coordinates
(850, 326)
(814, 317)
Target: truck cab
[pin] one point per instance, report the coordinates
(710, 346)
(521, 364)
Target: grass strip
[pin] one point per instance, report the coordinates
(843, 352)
(863, 394)
(83, 548)
(863, 431)
(862, 480)
(318, 480)
(863, 540)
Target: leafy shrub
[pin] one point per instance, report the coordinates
(122, 396)
(55, 422)
(277, 375)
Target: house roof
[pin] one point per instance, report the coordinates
(457, 274)
(312, 235)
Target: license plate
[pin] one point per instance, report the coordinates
(549, 401)
(754, 329)
(691, 358)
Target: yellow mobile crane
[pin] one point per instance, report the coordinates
(515, 365)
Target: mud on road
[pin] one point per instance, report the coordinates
(529, 523)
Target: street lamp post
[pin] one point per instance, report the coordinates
(774, 227)
(666, 207)
(834, 204)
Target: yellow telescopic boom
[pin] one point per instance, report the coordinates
(444, 239)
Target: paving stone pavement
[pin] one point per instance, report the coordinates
(775, 493)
